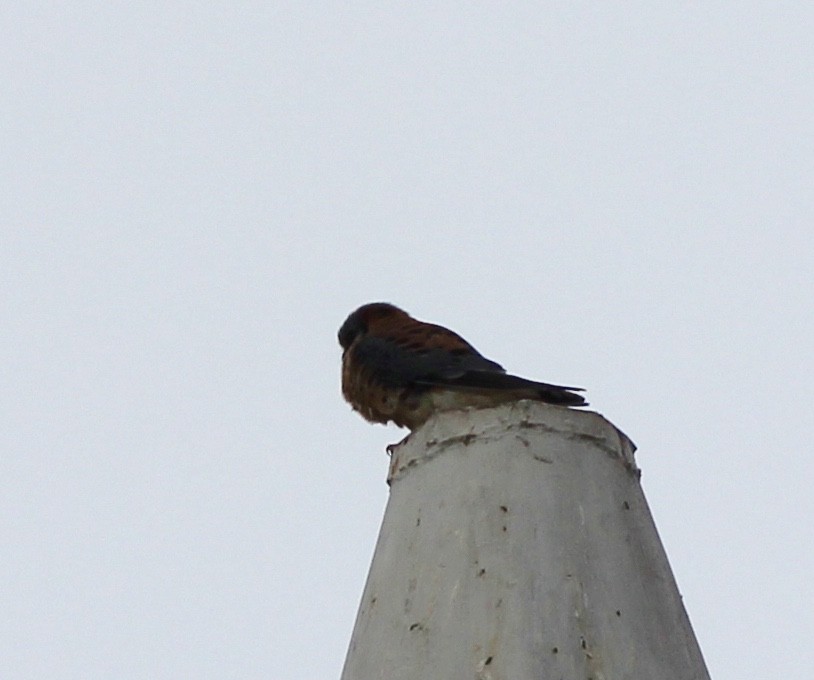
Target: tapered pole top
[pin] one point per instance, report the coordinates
(517, 544)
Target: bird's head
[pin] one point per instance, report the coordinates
(359, 321)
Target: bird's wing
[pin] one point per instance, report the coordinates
(416, 353)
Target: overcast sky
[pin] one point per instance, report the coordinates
(195, 194)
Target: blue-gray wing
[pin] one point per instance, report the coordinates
(398, 364)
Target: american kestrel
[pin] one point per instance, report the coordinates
(396, 368)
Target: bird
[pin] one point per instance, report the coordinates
(398, 369)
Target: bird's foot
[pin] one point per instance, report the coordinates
(392, 447)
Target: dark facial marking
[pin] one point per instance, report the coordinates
(353, 327)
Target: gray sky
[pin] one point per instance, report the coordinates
(194, 196)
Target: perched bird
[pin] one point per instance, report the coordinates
(396, 368)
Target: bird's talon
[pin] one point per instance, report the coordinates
(392, 447)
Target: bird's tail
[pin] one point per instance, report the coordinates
(565, 396)
(486, 381)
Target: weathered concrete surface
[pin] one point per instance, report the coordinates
(517, 545)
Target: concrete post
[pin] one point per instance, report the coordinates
(517, 545)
